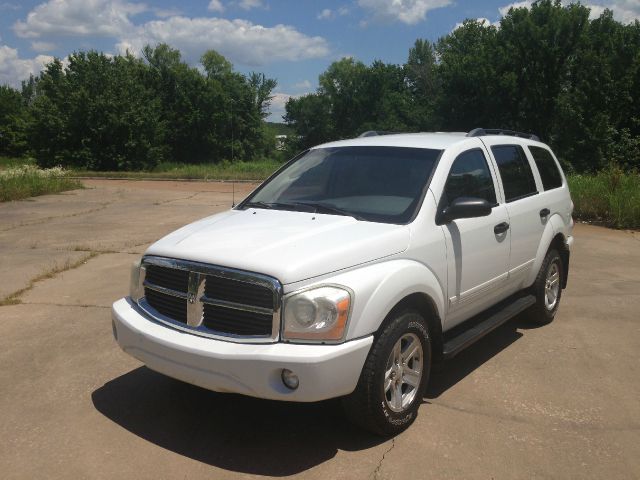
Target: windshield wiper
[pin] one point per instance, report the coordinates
(277, 205)
(308, 207)
(330, 209)
(268, 206)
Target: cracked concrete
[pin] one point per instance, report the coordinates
(376, 475)
(559, 401)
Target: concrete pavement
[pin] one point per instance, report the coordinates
(559, 401)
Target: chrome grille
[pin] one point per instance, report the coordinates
(235, 291)
(211, 301)
(168, 278)
(167, 305)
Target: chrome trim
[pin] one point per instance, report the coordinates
(195, 309)
(197, 279)
(236, 306)
(165, 290)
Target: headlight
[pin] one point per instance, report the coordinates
(136, 287)
(319, 314)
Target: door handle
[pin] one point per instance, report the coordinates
(501, 228)
(544, 212)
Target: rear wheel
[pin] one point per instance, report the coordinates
(394, 377)
(548, 289)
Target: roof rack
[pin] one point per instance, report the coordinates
(374, 133)
(481, 132)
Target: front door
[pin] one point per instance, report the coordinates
(477, 248)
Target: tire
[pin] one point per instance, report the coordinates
(547, 289)
(390, 411)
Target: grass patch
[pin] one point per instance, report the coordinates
(17, 182)
(610, 197)
(10, 162)
(255, 171)
(14, 298)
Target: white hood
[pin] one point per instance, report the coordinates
(290, 246)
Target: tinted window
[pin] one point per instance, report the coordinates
(382, 184)
(470, 177)
(547, 167)
(515, 171)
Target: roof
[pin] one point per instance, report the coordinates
(436, 140)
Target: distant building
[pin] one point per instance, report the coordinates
(281, 142)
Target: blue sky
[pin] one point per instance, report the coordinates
(291, 41)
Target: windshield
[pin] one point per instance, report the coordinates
(379, 184)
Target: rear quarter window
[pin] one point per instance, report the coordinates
(515, 172)
(547, 166)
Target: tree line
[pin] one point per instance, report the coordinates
(547, 69)
(104, 112)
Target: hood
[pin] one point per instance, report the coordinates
(290, 246)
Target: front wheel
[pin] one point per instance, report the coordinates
(394, 377)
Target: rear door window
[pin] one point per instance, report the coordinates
(515, 172)
(547, 166)
(470, 177)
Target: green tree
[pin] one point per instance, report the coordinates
(13, 122)
(312, 120)
(424, 84)
(535, 47)
(96, 113)
(467, 73)
(598, 115)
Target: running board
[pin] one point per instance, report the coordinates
(486, 322)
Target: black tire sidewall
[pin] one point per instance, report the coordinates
(543, 314)
(408, 322)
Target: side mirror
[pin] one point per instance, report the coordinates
(464, 207)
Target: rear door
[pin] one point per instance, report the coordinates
(555, 196)
(525, 206)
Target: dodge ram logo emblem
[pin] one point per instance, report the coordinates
(191, 297)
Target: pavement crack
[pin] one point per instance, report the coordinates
(178, 199)
(55, 217)
(376, 473)
(81, 305)
(14, 298)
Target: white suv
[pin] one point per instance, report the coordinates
(356, 268)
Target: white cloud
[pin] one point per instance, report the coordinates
(504, 10)
(249, 4)
(485, 22)
(325, 14)
(328, 14)
(79, 18)
(624, 11)
(405, 11)
(239, 40)
(40, 46)
(216, 6)
(14, 69)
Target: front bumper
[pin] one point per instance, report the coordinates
(325, 371)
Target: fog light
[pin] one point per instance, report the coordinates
(290, 379)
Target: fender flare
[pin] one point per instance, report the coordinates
(553, 226)
(378, 288)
